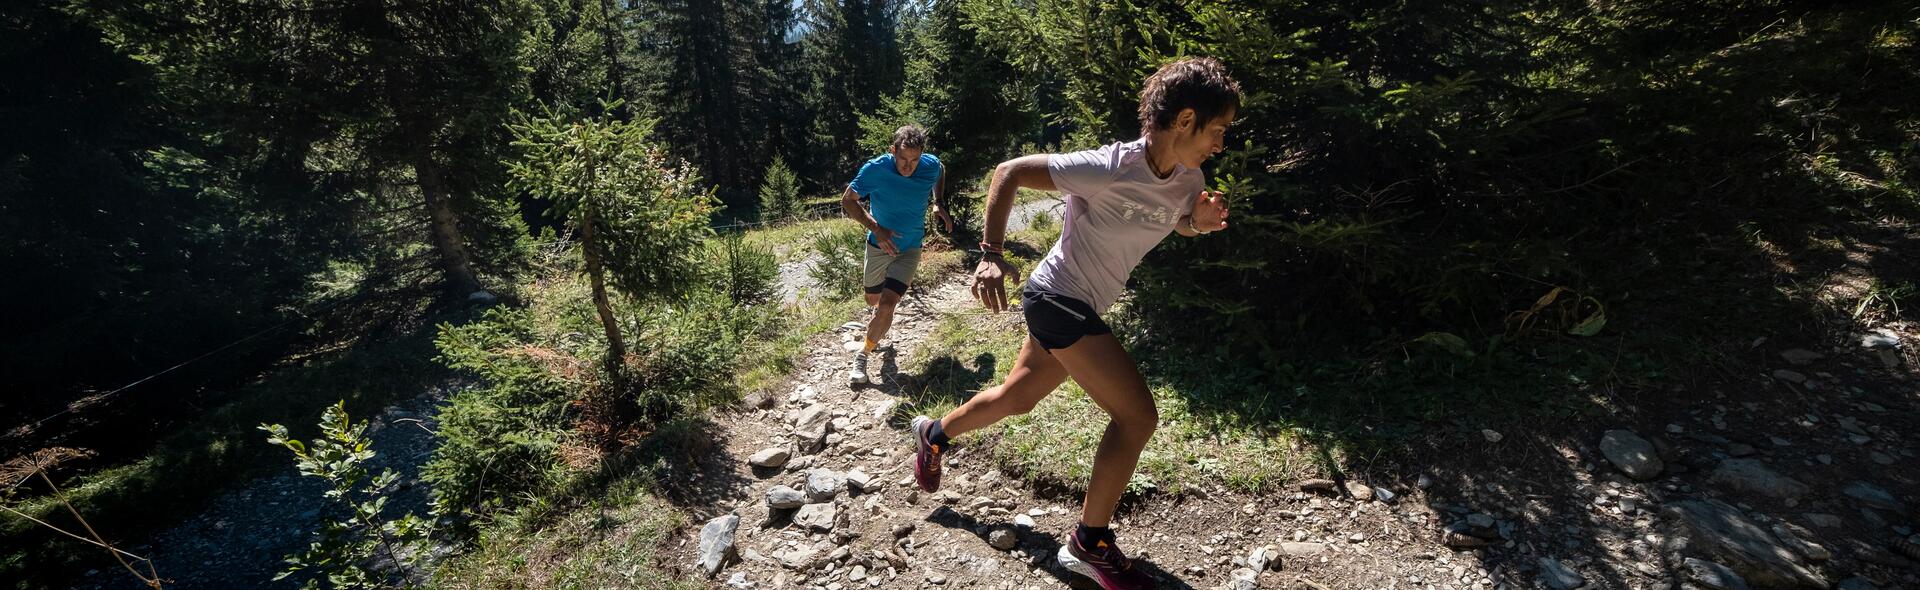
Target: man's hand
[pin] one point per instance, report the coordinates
(990, 282)
(945, 219)
(1209, 211)
(884, 238)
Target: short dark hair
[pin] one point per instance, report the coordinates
(910, 136)
(1198, 83)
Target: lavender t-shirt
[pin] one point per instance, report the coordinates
(1117, 210)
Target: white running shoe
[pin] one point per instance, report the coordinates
(857, 374)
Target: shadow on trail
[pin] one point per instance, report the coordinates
(1043, 545)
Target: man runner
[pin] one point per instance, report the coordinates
(897, 184)
(1122, 199)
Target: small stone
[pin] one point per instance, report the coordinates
(1262, 556)
(1631, 454)
(859, 480)
(1789, 376)
(1713, 575)
(716, 542)
(1491, 435)
(739, 580)
(1424, 482)
(770, 457)
(1740, 449)
(1384, 495)
(1356, 537)
(1880, 338)
(1859, 439)
(1003, 538)
(902, 530)
(783, 498)
(1360, 491)
(1559, 576)
(1317, 485)
(1881, 458)
(1023, 521)
(859, 573)
(936, 579)
(1480, 521)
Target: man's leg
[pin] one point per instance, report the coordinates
(882, 320)
(1113, 381)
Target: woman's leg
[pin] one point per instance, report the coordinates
(1035, 374)
(1102, 367)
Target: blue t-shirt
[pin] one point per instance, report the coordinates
(899, 202)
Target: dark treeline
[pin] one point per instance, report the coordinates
(176, 175)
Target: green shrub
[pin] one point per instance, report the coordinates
(780, 193)
(747, 273)
(500, 437)
(839, 252)
(344, 549)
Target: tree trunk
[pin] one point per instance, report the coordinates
(445, 226)
(589, 250)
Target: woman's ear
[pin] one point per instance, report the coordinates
(1186, 120)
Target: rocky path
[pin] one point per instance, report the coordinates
(819, 496)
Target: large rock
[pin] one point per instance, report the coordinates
(1873, 496)
(824, 484)
(1631, 454)
(1293, 549)
(772, 457)
(1714, 528)
(1713, 575)
(1753, 476)
(818, 517)
(1003, 538)
(716, 542)
(812, 418)
(785, 498)
(1244, 579)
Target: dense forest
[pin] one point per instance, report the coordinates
(197, 195)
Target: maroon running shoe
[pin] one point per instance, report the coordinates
(926, 455)
(1105, 564)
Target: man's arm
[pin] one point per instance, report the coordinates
(940, 202)
(850, 203)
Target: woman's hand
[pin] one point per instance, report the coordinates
(990, 280)
(1209, 211)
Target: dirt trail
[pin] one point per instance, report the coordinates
(1516, 510)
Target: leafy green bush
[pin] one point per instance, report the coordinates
(344, 550)
(531, 420)
(745, 272)
(839, 252)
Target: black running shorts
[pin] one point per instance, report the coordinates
(1058, 321)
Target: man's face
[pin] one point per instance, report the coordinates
(905, 159)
